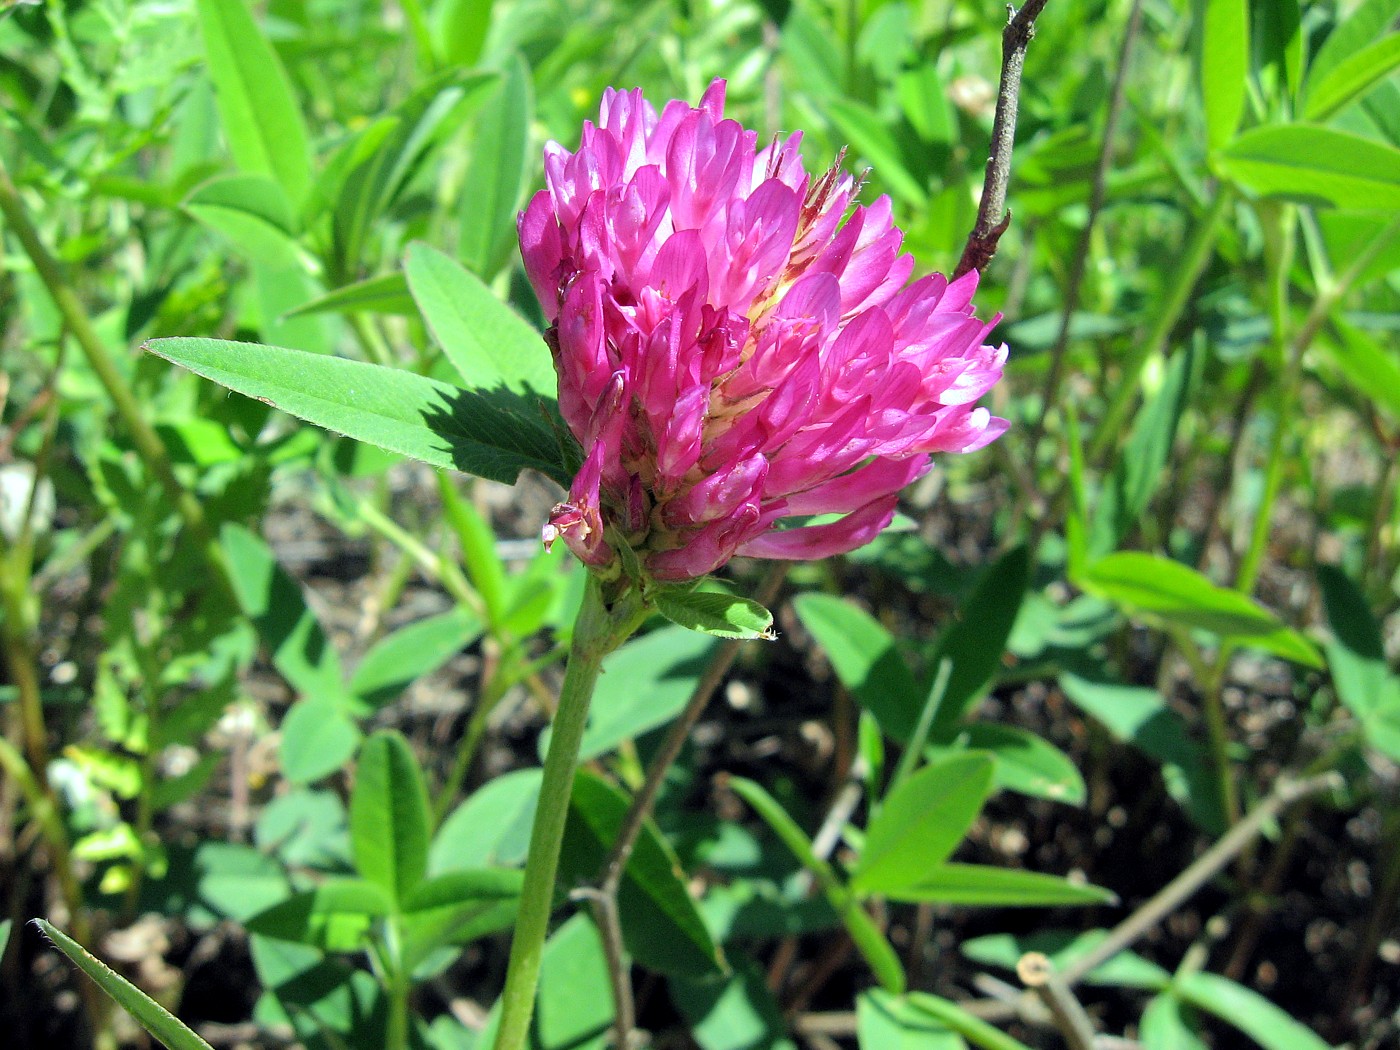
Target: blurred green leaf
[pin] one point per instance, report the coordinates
(644, 684)
(1169, 594)
(385, 294)
(1352, 77)
(492, 434)
(737, 1012)
(1352, 34)
(865, 659)
(459, 29)
(400, 659)
(661, 924)
(1315, 165)
(871, 141)
(921, 822)
(286, 625)
(1144, 455)
(1372, 369)
(236, 882)
(1224, 67)
(252, 212)
(153, 1017)
(1165, 1026)
(261, 119)
(389, 816)
(478, 544)
(377, 173)
(490, 828)
(1025, 763)
(318, 736)
(1246, 1010)
(1142, 717)
(887, 1022)
(496, 175)
(976, 641)
(336, 916)
(979, 885)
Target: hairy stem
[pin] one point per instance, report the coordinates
(600, 628)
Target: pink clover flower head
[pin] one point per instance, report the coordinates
(738, 343)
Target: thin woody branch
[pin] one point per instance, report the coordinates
(992, 216)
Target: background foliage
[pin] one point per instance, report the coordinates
(273, 696)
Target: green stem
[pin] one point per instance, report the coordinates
(600, 628)
(1212, 681)
(396, 1032)
(1188, 272)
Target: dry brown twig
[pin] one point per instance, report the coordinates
(992, 216)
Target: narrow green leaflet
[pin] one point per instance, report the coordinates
(1315, 165)
(336, 916)
(1351, 34)
(1372, 370)
(260, 116)
(921, 822)
(709, 612)
(385, 294)
(478, 544)
(5, 935)
(1026, 763)
(153, 1017)
(1172, 595)
(1224, 67)
(1141, 717)
(486, 341)
(317, 737)
(1140, 464)
(975, 1030)
(980, 885)
(1166, 1025)
(865, 659)
(644, 684)
(1352, 77)
(251, 211)
(869, 137)
(389, 816)
(1248, 1011)
(887, 1022)
(494, 435)
(977, 639)
(1356, 658)
(285, 624)
(399, 659)
(496, 175)
(661, 923)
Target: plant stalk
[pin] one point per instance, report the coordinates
(600, 628)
